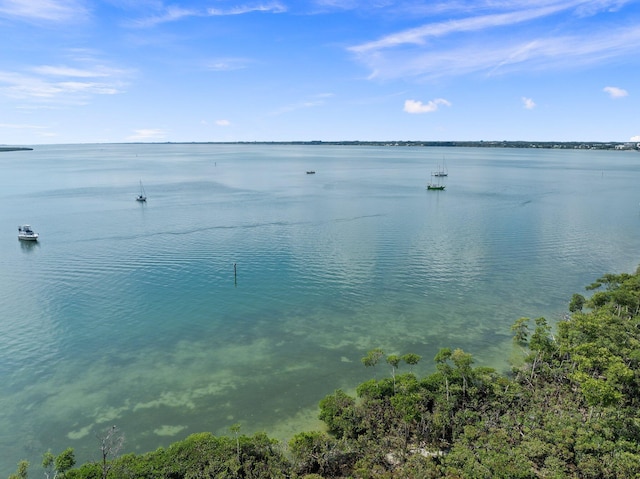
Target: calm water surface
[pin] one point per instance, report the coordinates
(131, 314)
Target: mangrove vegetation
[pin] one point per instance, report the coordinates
(570, 408)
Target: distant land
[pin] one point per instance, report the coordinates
(567, 145)
(14, 148)
(574, 145)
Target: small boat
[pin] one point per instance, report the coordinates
(435, 186)
(311, 172)
(142, 196)
(442, 170)
(25, 233)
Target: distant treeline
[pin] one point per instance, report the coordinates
(569, 145)
(577, 145)
(570, 408)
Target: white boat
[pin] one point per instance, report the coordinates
(142, 196)
(442, 171)
(25, 233)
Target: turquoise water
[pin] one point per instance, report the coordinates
(131, 314)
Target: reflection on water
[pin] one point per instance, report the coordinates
(29, 246)
(244, 291)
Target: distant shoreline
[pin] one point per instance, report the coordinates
(573, 145)
(564, 145)
(14, 148)
(477, 144)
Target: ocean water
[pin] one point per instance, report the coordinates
(134, 314)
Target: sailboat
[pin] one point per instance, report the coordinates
(142, 196)
(442, 171)
(435, 186)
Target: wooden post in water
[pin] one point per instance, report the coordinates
(235, 274)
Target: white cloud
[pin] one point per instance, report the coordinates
(171, 14)
(635, 138)
(21, 126)
(62, 84)
(312, 102)
(615, 92)
(69, 71)
(502, 55)
(16, 85)
(223, 122)
(228, 64)
(528, 103)
(174, 13)
(414, 106)
(147, 134)
(417, 9)
(487, 43)
(38, 89)
(273, 7)
(418, 36)
(48, 10)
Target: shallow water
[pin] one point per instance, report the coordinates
(131, 314)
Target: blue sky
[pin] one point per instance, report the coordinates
(83, 71)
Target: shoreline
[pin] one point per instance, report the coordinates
(563, 145)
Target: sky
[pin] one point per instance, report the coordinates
(113, 71)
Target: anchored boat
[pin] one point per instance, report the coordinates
(25, 233)
(435, 186)
(142, 196)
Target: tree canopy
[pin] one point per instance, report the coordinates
(570, 409)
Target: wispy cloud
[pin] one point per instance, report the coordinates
(173, 13)
(147, 134)
(528, 103)
(61, 84)
(419, 36)
(272, 7)
(21, 126)
(314, 101)
(425, 9)
(339, 4)
(521, 38)
(223, 123)
(166, 15)
(615, 92)
(67, 71)
(228, 64)
(504, 55)
(414, 106)
(47, 10)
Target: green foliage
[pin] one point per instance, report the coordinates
(411, 359)
(572, 409)
(489, 454)
(338, 413)
(393, 360)
(48, 463)
(65, 461)
(577, 303)
(22, 472)
(541, 340)
(621, 294)
(317, 453)
(61, 464)
(520, 330)
(372, 357)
